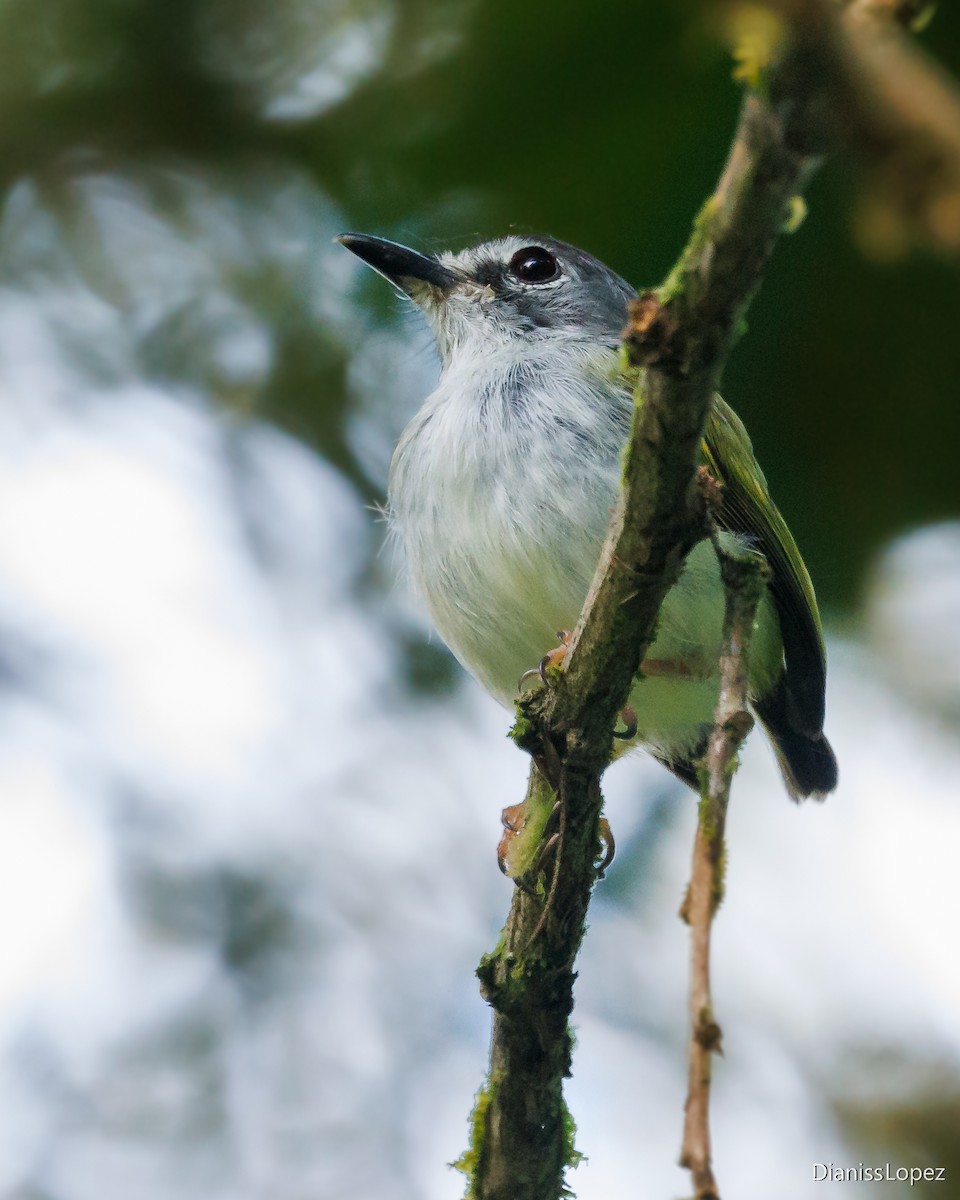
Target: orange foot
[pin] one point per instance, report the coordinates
(512, 820)
(553, 658)
(609, 847)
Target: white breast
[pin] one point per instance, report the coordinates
(502, 493)
(502, 487)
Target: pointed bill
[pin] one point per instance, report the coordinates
(400, 265)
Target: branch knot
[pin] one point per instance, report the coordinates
(653, 335)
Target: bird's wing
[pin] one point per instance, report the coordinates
(748, 509)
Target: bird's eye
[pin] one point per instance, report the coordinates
(533, 264)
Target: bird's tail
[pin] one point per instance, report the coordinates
(807, 761)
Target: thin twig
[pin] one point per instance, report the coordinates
(744, 579)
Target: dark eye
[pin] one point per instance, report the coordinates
(533, 264)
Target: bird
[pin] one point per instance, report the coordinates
(502, 485)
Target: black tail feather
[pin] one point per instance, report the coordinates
(808, 764)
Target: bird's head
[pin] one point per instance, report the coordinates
(513, 290)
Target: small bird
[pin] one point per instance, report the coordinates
(502, 485)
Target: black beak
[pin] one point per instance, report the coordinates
(397, 263)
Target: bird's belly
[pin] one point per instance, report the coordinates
(500, 600)
(500, 604)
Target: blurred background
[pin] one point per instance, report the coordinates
(248, 808)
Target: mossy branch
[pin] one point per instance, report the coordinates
(678, 339)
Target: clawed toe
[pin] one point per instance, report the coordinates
(553, 658)
(609, 847)
(533, 673)
(628, 716)
(512, 820)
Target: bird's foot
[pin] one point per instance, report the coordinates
(512, 820)
(520, 861)
(608, 845)
(628, 715)
(551, 660)
(527, 827)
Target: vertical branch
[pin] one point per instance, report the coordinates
(744, 579)
(522, 1135)
(679, 337)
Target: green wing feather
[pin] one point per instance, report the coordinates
(748, 509)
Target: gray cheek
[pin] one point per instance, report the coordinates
(536, 312)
